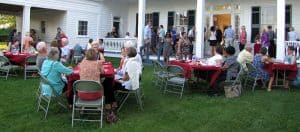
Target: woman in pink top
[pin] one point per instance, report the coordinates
(90, 69)
(243, 38)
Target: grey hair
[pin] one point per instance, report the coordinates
(52, 53)
(40, 46)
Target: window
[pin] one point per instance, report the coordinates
(155, 19)
(82, 28)
(288, 15)
(148, 18)
(255, 23)
(191, 19)
(43, 26)
(170, 20)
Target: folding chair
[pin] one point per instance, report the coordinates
(253, 74)
(30, 66)
(176, 81)
(87, 107)
(6, 67)
(138, 93)
(44, 100)
(160, 74)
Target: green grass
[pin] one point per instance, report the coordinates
(258, 111)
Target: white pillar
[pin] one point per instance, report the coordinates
(141, 23)
(200, 24)
(19, 23)
(25, 21)
(280, 29)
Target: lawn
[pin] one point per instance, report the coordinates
(278, 110)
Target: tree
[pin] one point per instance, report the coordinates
(7, 21)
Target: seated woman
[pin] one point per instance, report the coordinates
(90, 69)
(100, 56)
(120, 70)
(14, 47)
(53, 70)
(130, 80)
(259, 61)
(30, 49)
(217, 59)
(42, 54)
(290, 59)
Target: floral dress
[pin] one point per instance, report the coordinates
(262, 73)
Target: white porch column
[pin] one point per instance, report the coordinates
(200, 24)
(280, 29)
(141, 23)
(25, 21)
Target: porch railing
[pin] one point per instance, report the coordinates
(295, 44)
(114, 45)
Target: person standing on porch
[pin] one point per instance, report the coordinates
(191, 36)
(229, 36)
(292, 35)
(212, 40)
(219, 35)
(184, 46)
(160, 46)
(147, 40)
(272, 47)
(243, 38)
(265, 39)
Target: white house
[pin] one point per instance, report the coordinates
(84, 19)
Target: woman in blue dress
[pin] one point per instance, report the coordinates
(53, 70)
(259, 61)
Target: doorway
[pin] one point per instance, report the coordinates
(222, 20)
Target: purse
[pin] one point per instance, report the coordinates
(233, 90)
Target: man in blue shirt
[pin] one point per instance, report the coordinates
(229, 36)
(147, 41)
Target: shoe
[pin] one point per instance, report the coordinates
(269, 90)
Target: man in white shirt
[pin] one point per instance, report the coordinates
(245, 56)
(292, 35)
(65, 50)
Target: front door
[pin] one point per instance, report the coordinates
(222, 20)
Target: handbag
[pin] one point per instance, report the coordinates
(232, 90)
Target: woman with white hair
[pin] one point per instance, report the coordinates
(53, 70)
(100, 56)
(42, 54)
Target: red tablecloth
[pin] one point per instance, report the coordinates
(108, 72)
(188, 67)
(292, 69)
(17, 58)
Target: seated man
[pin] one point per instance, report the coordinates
(230, 65)
(217, 59)
(230, 69)
(245, 56)
(65, 51)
